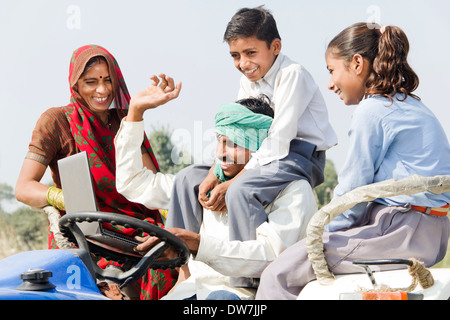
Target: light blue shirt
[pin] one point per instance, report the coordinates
(392, 142)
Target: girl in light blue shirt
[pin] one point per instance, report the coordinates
(392, 140)
(393, 135)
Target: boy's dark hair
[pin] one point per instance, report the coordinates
(257, 22)
(260, 104)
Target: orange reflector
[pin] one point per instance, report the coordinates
(384, 296)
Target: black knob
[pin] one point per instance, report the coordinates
(36, 280)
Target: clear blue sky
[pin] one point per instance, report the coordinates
(183, 38)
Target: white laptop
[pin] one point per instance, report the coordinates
(78, 190)
(79, 196)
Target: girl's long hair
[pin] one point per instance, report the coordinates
(387, 50)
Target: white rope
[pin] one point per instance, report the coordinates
(53, 217)
(389, 188)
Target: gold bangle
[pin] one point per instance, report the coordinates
(163, 213)
(55, 198)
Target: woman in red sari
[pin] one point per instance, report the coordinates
(99, 100)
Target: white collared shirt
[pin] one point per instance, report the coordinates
(217, 258)
(300, 110)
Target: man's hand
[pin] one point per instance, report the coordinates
(156, 94)
(191, 239)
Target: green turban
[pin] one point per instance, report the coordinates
(243, 127)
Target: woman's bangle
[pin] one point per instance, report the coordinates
(55, 198)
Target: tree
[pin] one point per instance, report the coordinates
(21, 230)
(166, 153)
(324, 192)
(30, 225)
(6, 193)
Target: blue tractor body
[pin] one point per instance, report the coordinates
(47, 275)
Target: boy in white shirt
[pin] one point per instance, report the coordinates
(241, 128)
(294, 150)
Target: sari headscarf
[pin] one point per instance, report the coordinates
(94, 137)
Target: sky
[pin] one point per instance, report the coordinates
(183, 38)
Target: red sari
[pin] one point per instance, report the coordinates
(94, 137)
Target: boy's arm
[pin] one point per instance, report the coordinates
(207, 185)
(216, 200)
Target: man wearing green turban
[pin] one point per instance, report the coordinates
(215, 260)
(242, 127)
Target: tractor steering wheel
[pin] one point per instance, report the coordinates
(117, 247)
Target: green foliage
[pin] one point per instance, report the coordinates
(28, 224)
(21, 230)
(6, 193)
(165, 151)
(324, 192)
